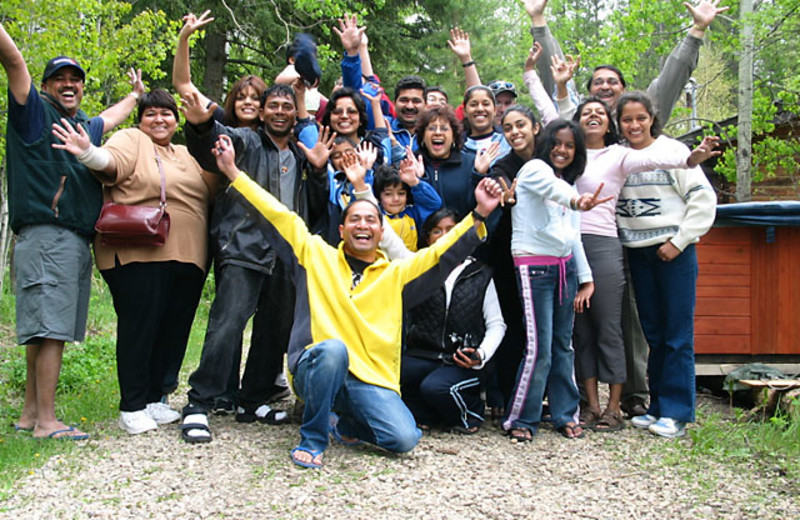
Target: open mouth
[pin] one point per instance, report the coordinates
(363, 238)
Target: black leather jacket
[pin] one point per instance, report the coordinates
(236, 228)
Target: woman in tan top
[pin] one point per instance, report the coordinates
(155, 289)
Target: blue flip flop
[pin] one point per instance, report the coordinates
(81, 437)
(18, 428)
(314, 454)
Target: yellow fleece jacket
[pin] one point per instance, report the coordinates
(368, 318)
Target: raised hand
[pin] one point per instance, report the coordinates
(349, 33)
(587, 201)
(533, 56)
(367, 154)
(484, 158)
(192, 23)
(318, 156)
(460, 45)
(564, 70)
(508, 191)
(704, 151)
(193, 109)
(135, 79)
(535, 7)
(488, 194)
(355, 171)
(414, 163)
(226, 157)
(74, 142)
(704, 12)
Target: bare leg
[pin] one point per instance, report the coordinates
(592, 397)
(48, 367)
(27, 419)
(614, 398)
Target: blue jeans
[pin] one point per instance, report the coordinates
(549, 360)
(370, 413)
(665, 297)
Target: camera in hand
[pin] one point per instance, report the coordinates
(466, 341)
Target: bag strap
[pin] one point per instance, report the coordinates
(163, 178)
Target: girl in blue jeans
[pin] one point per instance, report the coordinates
(552, 272)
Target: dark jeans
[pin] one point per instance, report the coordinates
(665, 295)
(439, 393)
(155, 304)
(241, 293)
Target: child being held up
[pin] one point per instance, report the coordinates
(404, 198)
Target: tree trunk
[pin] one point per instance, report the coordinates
(216, 58)
(744, 151)
(5, 230)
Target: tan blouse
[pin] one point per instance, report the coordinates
(138, 181)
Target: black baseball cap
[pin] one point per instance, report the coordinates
(59, 62)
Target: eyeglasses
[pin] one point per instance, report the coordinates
(439, 129)
(340, 111)
(611, 82)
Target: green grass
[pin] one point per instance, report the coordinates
(88, 393)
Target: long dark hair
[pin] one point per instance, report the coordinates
(611, 137)
(528, 113)
(548, 142)
(258, 85)
(360, 106)
(646, 102)
(467, 96)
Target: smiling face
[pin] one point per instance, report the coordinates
(278, 115)
(438, 138)
(479, 111)
(519, 132)
(247, 104)
(606, 85)
(440, 229)
(635, 124)
(594, 120)
(361, 231)
(394, 198)
(409, 105)
(563, 151)
(345, 118)
(159, 124)
(66, 87)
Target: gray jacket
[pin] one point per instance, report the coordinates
(665, 90)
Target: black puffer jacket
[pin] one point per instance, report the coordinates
(236, 228)
(431, 322)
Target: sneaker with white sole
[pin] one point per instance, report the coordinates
(643, 421)
(669, 428)
(161, 413)
(136, 422)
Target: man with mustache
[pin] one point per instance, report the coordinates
(53, 204)
(409, 102)
(251, 281)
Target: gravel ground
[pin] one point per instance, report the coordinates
(246, 473)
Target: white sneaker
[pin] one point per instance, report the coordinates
(643, 421)
(161, 413)
(666, 427)
(136, 422)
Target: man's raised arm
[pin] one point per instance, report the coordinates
(19, 79)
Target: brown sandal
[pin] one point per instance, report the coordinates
(610, 421)
(588, 418)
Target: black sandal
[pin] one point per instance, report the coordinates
(520, 435)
